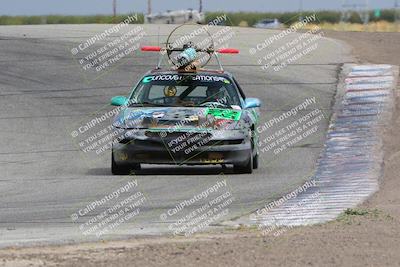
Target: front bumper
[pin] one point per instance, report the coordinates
(150, 147)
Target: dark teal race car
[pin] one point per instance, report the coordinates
(186, 118)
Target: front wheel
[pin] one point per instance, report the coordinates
(254, 147)
(245, 168)
(255, 162)
(118, 169)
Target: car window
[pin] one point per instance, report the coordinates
(186, 90)
(200, 91)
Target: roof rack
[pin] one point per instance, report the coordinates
(191, 63)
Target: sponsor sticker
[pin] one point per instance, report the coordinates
(176, 77)
(229, 114)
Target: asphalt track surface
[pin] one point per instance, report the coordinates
(44, 94)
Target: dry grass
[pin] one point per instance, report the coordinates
(380, 26)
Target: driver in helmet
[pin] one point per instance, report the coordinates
(214, 93)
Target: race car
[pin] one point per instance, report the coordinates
(186, 117)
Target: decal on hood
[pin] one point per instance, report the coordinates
(228, 114)
(184, 118)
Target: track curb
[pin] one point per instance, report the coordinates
(351, 163)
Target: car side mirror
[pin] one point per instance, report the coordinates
(252, 103)
(118, 100)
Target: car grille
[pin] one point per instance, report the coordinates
(225, 142)
(179, 136)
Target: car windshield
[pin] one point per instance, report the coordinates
(185, 90)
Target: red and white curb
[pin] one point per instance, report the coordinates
(350, 165)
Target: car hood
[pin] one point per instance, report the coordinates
(178, 117)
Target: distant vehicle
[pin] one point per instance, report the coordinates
(268, 24)
(175, 17)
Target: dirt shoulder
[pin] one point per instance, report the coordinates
(370, 238)
(379, 47)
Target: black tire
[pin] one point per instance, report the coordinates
(253, 147)
(134, 167)
(117, 169)
(246, 168)
(255, 162)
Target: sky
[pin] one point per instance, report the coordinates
(88, 7)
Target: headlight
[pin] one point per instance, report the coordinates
(130, 124)
(119, 125)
